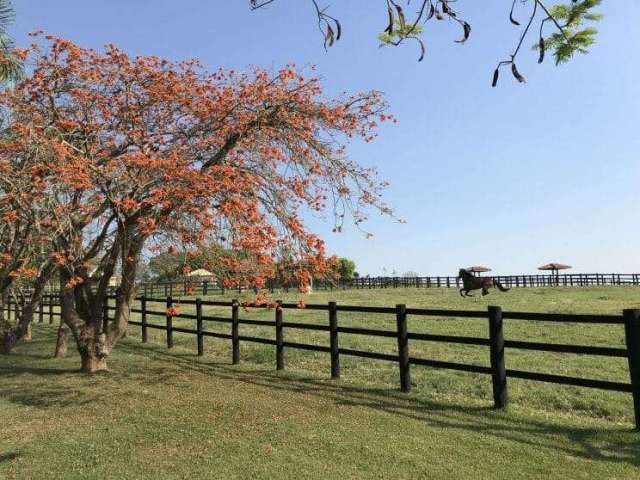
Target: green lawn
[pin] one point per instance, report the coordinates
(169, 414)
(614, 406)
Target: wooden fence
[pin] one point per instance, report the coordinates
(210, 287)
(510, 281)
(496, 343)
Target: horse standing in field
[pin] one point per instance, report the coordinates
(471, 282)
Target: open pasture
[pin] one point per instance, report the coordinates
(171, 414)
(429, 382)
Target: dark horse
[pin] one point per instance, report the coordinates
(471, 282)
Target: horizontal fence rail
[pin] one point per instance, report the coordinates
(210, 286)
(495, 341)
(203, 286)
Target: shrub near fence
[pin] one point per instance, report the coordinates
(496, 343)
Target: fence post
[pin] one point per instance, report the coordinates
(199, 327)
(632, 338)
(333, 339)
(279, 337)
(498, 369)
(235, 341)
(41, 310)
(51, 309)
(169, 324)
(143, 317)
(403, 348)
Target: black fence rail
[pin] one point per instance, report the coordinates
(510, 281)
(496, 343)
(46, 311)
(206, 287)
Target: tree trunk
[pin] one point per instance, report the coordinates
(63, 340)
(93, 352)
(7, 337)
(92, 363)
(83, 308)
(28, 336)
(10, 334)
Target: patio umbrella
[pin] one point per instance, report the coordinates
(477, 269)
(200, 272)
(554, 267)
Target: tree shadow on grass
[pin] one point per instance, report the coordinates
(16, 371)
(611, 444)
(46, 395)
(69, 387)
(8, 456)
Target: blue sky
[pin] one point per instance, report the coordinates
(511, 177)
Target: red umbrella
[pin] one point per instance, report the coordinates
(554, 267)
(477, 269)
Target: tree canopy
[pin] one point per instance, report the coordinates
(344, 268)
(143, 153)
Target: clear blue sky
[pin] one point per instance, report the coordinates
(511, 177)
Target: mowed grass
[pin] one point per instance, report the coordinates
(169, 414)
(435, 383)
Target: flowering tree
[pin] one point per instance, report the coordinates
(25, 234)
(145, 153)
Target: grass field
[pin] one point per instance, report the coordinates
(169, 414)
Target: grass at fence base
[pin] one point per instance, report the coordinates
(166, 414)
(446, 384)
